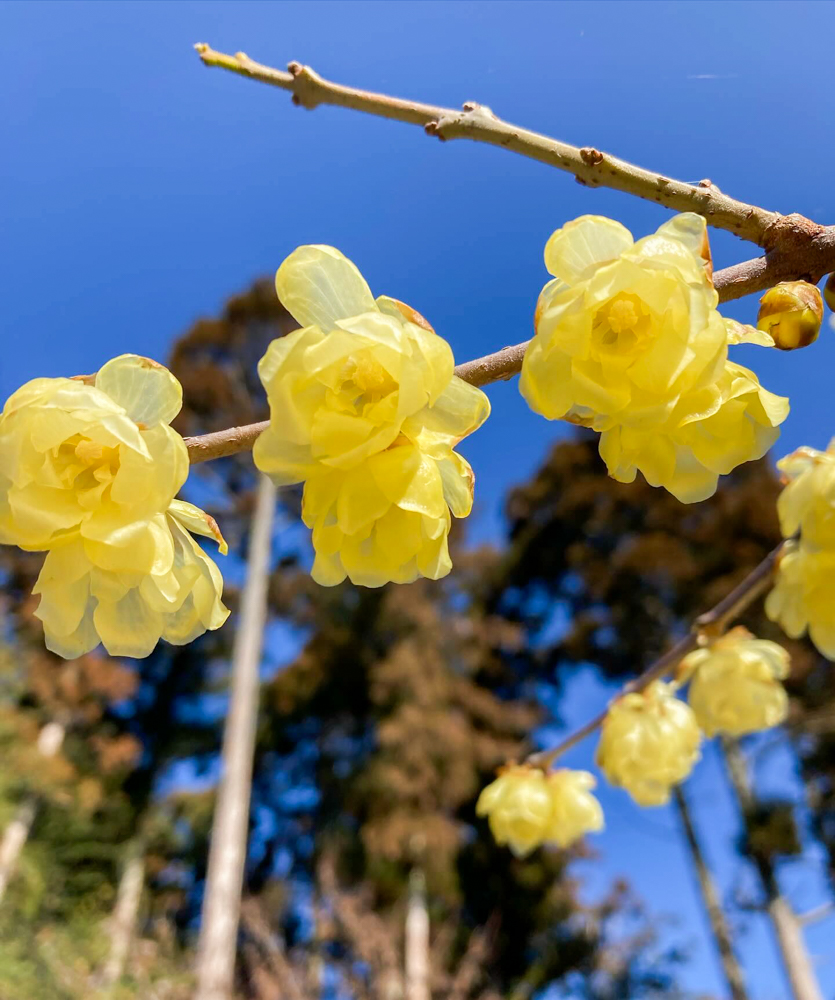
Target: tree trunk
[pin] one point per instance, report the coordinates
(230, 829)
(417, 939)
(123, 921)
(787, 927)
(16, 834)
(715, 914)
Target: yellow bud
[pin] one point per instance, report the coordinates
(792, 313)
(648, 743)
(736, 686)
(829, 291)
(526, 808)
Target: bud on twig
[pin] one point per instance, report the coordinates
(829, 291)
(792, 313)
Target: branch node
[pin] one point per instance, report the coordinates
(306, 85)
(591, 156)
(790, 232)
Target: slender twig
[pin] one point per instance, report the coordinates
(476, 122)
(707, 626)
(809, 260)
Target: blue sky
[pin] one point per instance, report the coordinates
(139, 190)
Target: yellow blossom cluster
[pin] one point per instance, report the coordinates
(89, 469)
(802, 598)
(649, 742)
(526, 807)
(365, 410)
(629, 342)
(735, 685)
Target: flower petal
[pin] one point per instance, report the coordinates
(319, 286)
(574, 251)
(148, 392)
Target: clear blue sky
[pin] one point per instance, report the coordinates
(138, 190)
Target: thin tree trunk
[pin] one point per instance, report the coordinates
(787, 926)
(715, 914)
(123, 921)
(17, 832)
(417, 939)
(230, 828)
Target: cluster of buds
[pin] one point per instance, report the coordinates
(736, 684)
(527, 808)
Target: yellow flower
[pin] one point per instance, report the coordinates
(92, 456)
(624, 327)
(736, 686)
(807, 502)
(158, 584)
(648, 743)
(388, 519)
(88, 470)
(710, 431)
(792, 313)
(526, 808)
(802, 596)
(359, 373)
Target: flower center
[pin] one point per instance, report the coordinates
(622, 326)
(86, 467)
(365, 380)
(622, 315)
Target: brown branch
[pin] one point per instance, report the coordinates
(707, 626)
(478, 123)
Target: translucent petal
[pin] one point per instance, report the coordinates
(128, 627)
(459, 410)
(148, 392)
(688, 228)
(741, 333)
(198, 522)
(573, 252)
(63, 605)
(84, 639)
(360, 502)
(409, 479)
(458, 481)
(319, 286)
(285, 351)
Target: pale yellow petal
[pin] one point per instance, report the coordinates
(319, 286)
(574, 251)
(198, 522)
(148, 392)
(128, 627)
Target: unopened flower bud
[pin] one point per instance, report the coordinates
(526, 807)
(736, 686)
(829, 291)
(648, 743)
(792, 313)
